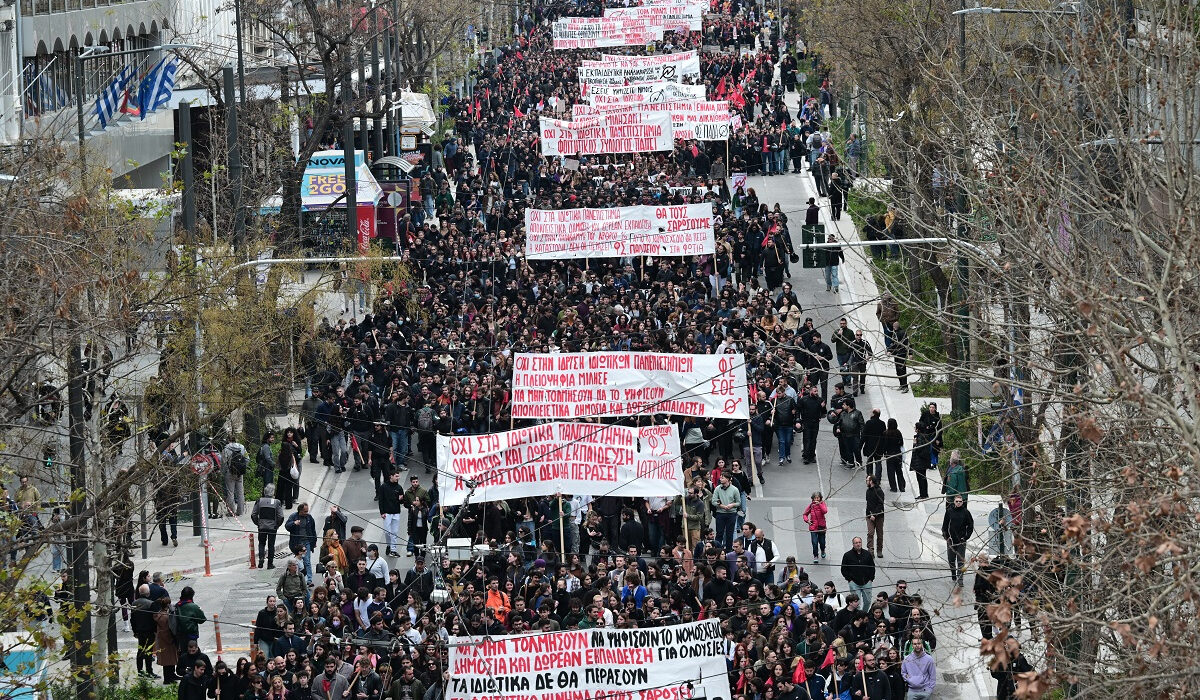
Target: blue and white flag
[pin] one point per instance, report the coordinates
(109, 100)
(158, 85)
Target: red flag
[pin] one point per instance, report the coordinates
(800, 675)
(858, 664)
(828, 659)
(737, 99)
(721, 88)
(517, 112)
(476, 108)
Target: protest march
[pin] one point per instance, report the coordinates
(566, 412)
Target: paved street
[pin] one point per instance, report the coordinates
(914, 550)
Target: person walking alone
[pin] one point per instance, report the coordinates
(814, 515)
(268, 516)
(957, 527)
(900, 350)
(875, 505)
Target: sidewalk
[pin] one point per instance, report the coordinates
(229, 546)
(958, 641)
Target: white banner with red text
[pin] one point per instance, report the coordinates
(555, 458)
(623, 132)
(654, 92)
(676, 662)
(674, 17)
(617, 70)
(565, 386)
(616, 232)
(601, 32)
(704, 121)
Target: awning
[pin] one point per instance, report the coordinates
(404, 166)
(324, 182)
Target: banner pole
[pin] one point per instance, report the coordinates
(756, 465)
(562, 535)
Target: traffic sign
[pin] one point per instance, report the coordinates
(202, 464)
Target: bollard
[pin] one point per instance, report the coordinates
(217, 631)
(207, 558)
(252, 644)
(253, 561)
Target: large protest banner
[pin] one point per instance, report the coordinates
(619, 71)
(563, 386)
(666, 231)
(574, 458)
(706, 121)
(654, 92)
(599, 32)
(689, 61)
(674, 17)
(655, 663)
(627, 132)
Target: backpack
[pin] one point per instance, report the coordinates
(173, 619)
(425, 418)
(239, 463)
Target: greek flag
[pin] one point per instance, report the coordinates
(109, 100)
(158, 85)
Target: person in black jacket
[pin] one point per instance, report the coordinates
(632, 534)
(957, 527)
(985, 594)
(818, 357)
(872, 445)
(875, 504)
(195, 685)
(398, 415)
(876, 684)
(900, 349)
(858, 568)
(1006, 684)
(144, 628)
(812, 410)
(420, 580)
(378, 448)
(893, 454)
(266, 629)
(391, 495)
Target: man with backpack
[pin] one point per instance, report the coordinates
(268, 516)
(187, 618)
(235, 462)
(141, 620)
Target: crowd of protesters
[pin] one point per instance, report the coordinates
(346, 621)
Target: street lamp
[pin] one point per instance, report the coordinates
(1066, 8)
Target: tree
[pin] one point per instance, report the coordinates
(1072, 139)
(87, 272)
(320, 49)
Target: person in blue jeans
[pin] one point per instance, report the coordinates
(783, 418)
(726, 500)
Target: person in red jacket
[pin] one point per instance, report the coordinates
(814, 515)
